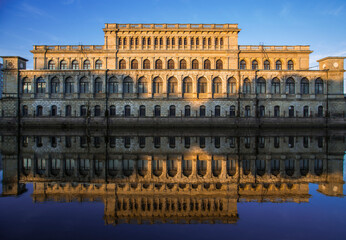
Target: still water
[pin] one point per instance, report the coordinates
(172, 184)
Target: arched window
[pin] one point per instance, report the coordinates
(55, 85)
(75, 65)
(39, 111)
(266, 65)
(242, 65)
(291, 111)
(98, 85)
(172, 111)
(146, 64)
(306, 111)
(128, 85)
(134, 64)
(318, 167)
(84, 85)
(113, 85)
(277, 111)
(26, 87)
(172, 85)
(290, 65)
(202, 85)
(254, 65)
(219, 64)
(69, 85)
(68, 111)
(278, 65)
(318, 86)
(40, 85)
(170, 64)
(260, 167)
(304, 86)
(320, 111)
(207, 64)
(25, 111)
(142, 85)
(261, 85)
(187, 85)
(275, 167)
(122, 64)
(232, 111)
(157, 111)
(217, 85)
(290, 86)
(63, 65)
(157, 85)
(86, 64)
(247, 86)
(112, 110)
(142, 111)
(247, 112)
(97, 111)
(202, 111)
(53, 111)
(231, 85)
(275, 86)
(192, 41)
(194, 64)
(127, 111)
(51, 65)
(83, 111)
(187, 111)
(217, 111)
(158, 64)
(289, 167)
(216, 41)
(261, 111)
(98, 64)
(182, 64)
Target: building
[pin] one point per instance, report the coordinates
(151, 73)
(1, 80)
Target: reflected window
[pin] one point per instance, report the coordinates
(142, 111)
(202, 111)
(202, 142)
(187, 111)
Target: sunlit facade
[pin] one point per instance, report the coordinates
(173, 71)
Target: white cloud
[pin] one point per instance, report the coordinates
(335, 11)
(285, 11)
(68, 2)
(34, 11)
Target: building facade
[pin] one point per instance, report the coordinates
(179, 71)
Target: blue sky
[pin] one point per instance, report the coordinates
(320, 24)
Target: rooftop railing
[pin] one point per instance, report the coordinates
(68, 47)
(170, 26)
(275, 48)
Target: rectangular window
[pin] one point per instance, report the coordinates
(232, 142)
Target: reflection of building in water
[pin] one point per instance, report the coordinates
(173, 177)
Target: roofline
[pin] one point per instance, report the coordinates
(15, 57)
(330, 57)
